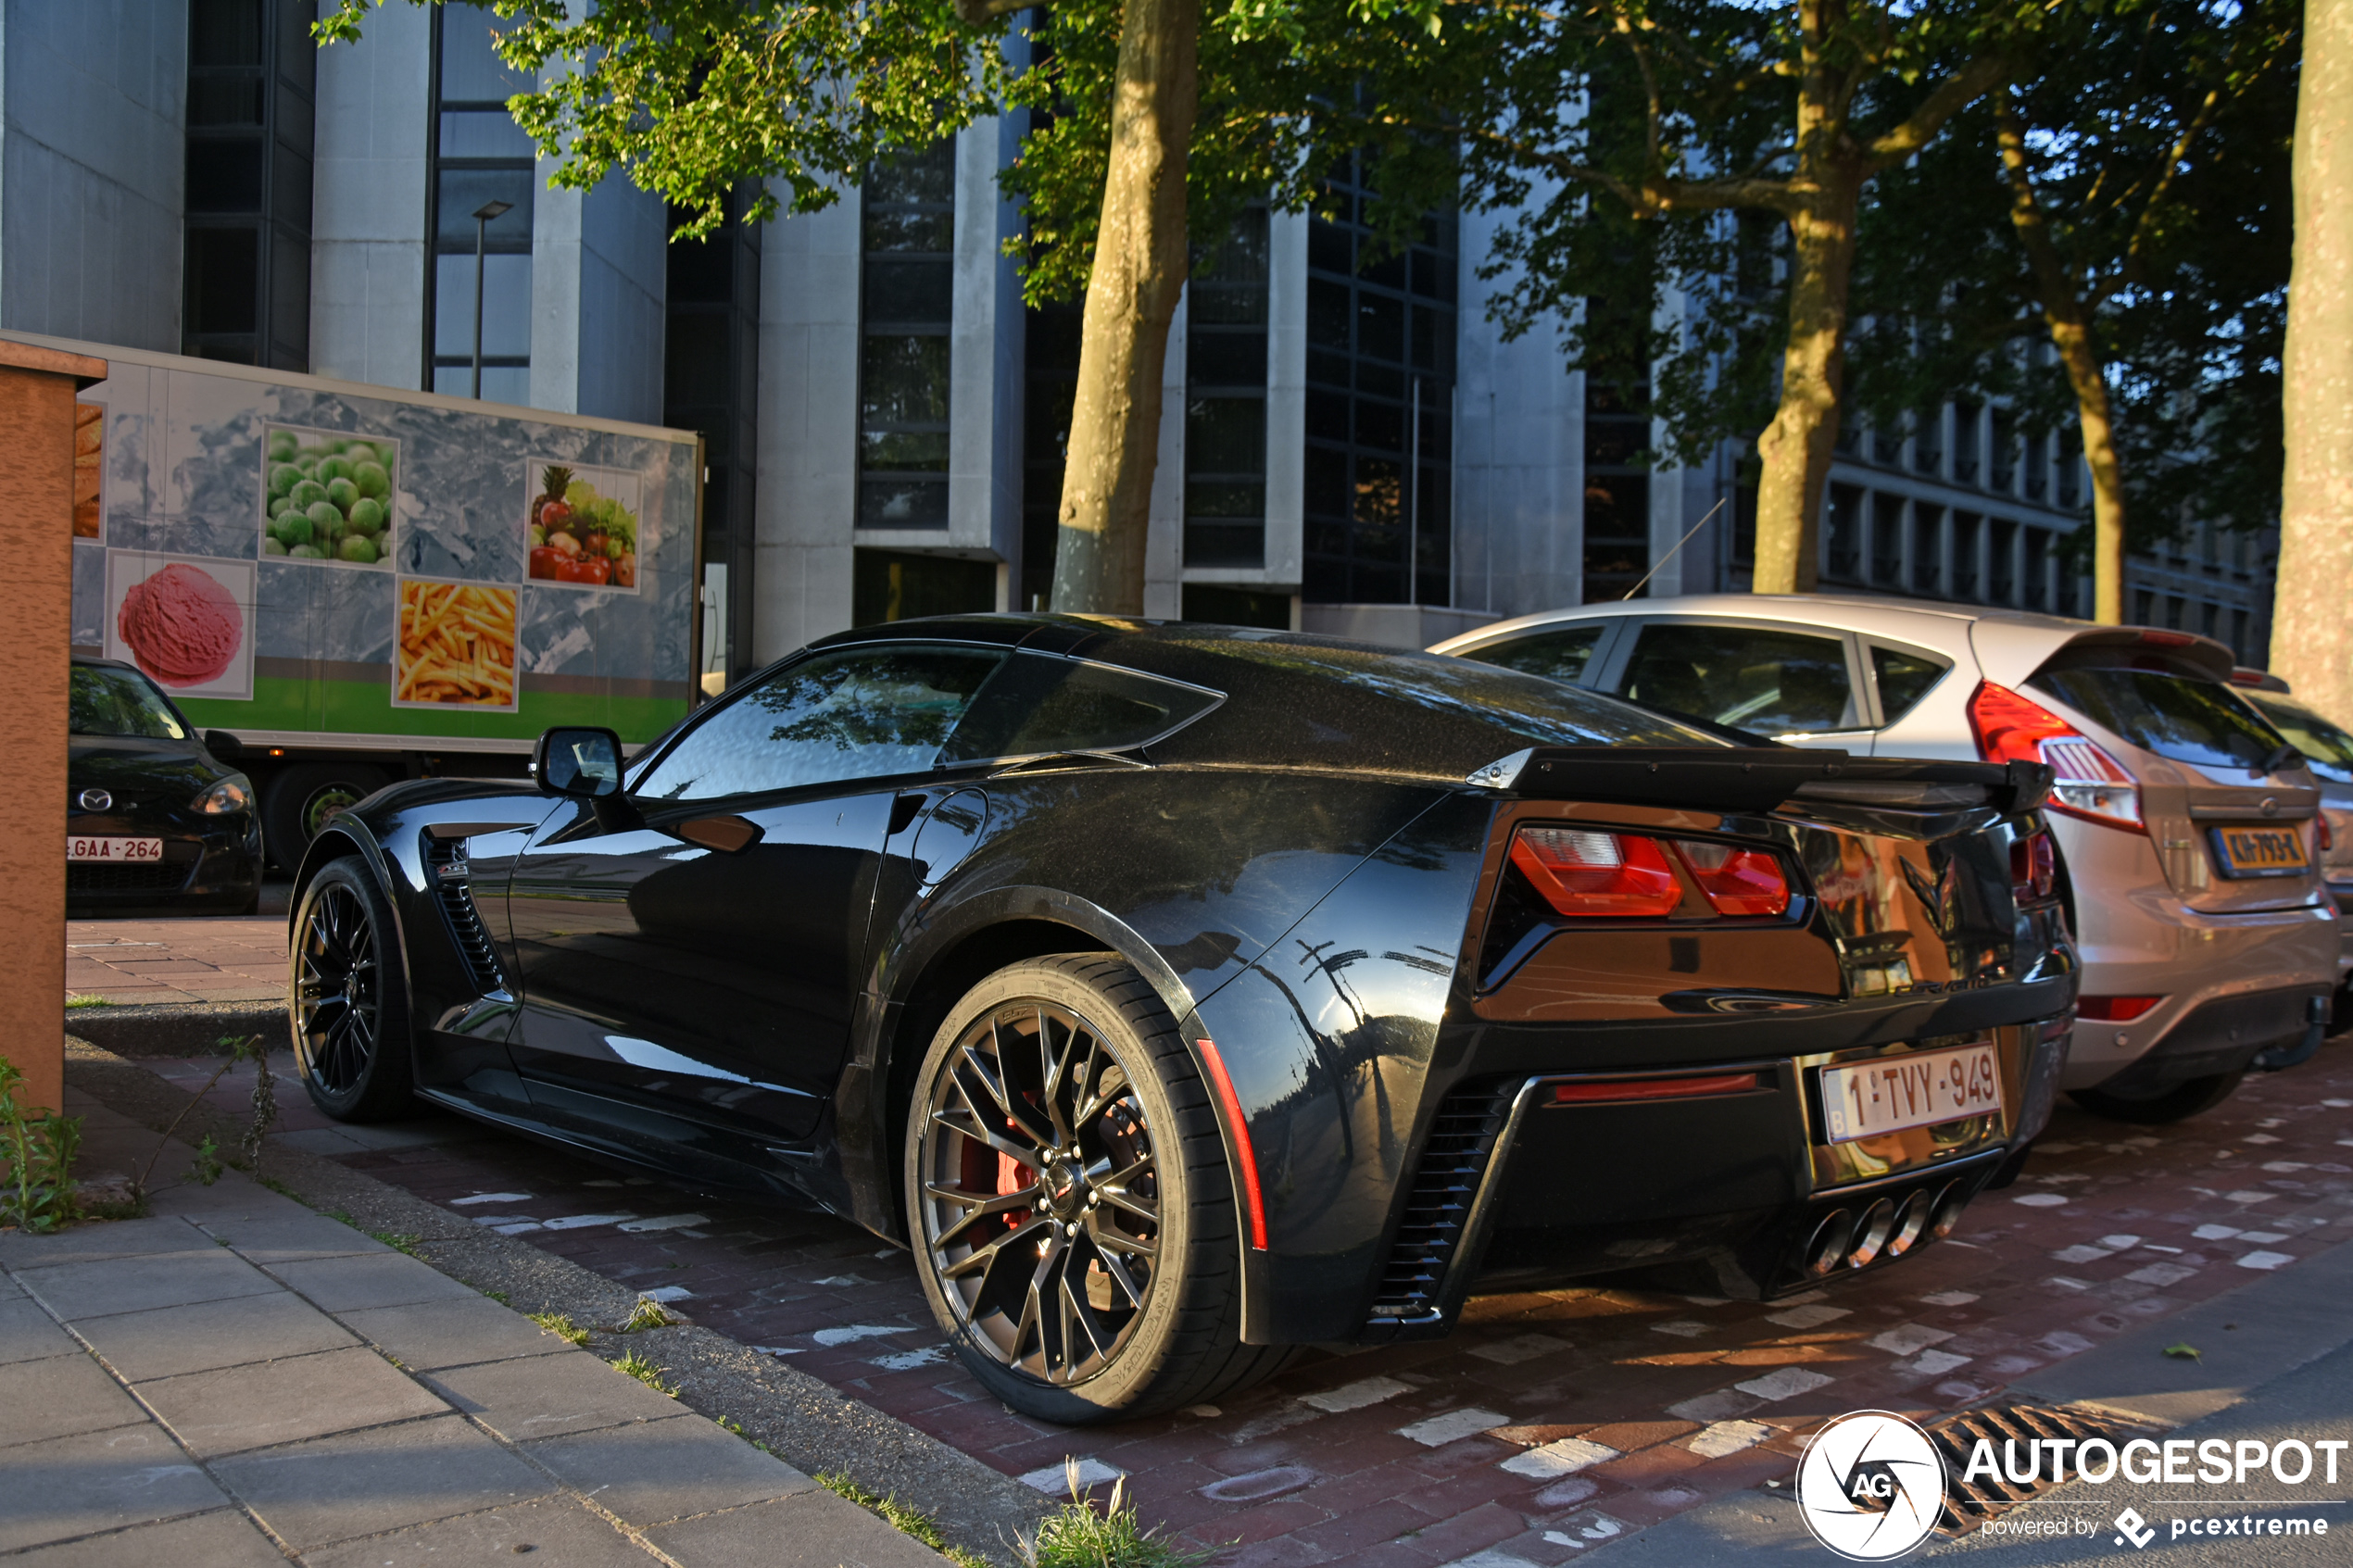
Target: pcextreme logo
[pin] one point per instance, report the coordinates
(1871, 1486)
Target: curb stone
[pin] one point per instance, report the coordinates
(804, 1421)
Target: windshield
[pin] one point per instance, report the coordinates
(119, 702)
(2184, 721)
(2327, 749)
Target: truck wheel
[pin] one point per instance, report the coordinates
(2176, 1103)
(348, 997)
(1073, 1219)
(297, 802)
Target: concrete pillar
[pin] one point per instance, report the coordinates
(598, 278)
(36, 487)
(367, 250)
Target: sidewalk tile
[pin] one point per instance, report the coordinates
(250, 1407)
(59, 1396)
(430, 1335)
(28, 1334)
(665, 1470)
(223, 1538)
(75, 1291)
(362, 1483)
(169, 1341)
(559, 1532)
(350, 1285)
(69, 1487)
(818, 1526)
(283, 1232)
(549, 1395)
(90, 1244)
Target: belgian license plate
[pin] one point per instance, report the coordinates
(2272, 849)
(1915, 1090)
(128, 851)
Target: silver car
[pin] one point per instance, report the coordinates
(2187, 827)
(2328, 753)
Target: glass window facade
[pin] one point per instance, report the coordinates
(1380, 392)
(1226, 399)
(711, 383)
(478, 156)
(908, 234)
(246, 275)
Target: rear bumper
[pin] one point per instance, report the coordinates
(1734, 1194)
(2224, 1034)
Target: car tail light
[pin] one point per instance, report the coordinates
(1737, 881)
(2113, 1009)
(2033, 867)
(2091, 784)
(2328, 834)
(1588, 873)
(1580, 872)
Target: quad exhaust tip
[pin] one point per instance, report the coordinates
(1886, 1229)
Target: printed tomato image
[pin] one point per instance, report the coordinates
(580, 526)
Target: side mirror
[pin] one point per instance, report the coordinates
(223, 745)
(580, 764)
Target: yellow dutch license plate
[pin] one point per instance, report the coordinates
(2272, 849)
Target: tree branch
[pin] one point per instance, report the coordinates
(1959, 90)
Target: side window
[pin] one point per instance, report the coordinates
(1768, 681)
(864, 712)
(1559, 655)
(1904, 679)
(1045, 705)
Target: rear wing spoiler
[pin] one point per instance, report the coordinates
(1739, 779)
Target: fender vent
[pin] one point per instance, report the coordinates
(445, 865)
(1461, 1139)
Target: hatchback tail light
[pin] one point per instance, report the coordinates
(2090, 783)
(2033, 868)
(2113, 1009)
(1588, 873)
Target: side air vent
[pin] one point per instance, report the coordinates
(446, 864)
(1462, 1140)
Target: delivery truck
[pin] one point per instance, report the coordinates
(344, 586)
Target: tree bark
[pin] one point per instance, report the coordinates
(1132, 291)
(1798, 445)
(2311, 633)
(2069, 315)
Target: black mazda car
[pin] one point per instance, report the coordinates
(1181, 994)
(156, 823)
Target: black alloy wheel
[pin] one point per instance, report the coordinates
(1069, 1201)
(347, 999)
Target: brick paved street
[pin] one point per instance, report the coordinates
(1552, 1420)
(192, 959)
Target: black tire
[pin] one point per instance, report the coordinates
(297, 802)
(2175, 1103)
(1137, 1184)
(348, 997)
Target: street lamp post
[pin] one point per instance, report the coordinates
(482, 215)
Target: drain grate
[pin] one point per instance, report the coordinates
(1970, 1503)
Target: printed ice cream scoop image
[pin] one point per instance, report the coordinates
(181, 625)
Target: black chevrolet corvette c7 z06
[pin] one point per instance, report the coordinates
(1183, 994)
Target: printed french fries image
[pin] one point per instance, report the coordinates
(455, 646)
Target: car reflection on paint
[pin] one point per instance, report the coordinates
(1181, 994)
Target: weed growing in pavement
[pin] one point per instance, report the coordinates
(37, 1147)
(1074, 1536)
(77, 1000)
(208, 1167)
(274, 1184)
(644, 1372)
(499, 1297)
(901, 1517)
(650, 1314)
(399, 1241)
(562, 1326)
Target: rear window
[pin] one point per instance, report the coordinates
(116, 702)
(2184, 721)
(2326, 748)
(1040, 705)
(1904, 679)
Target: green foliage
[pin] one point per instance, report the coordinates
(1074, 1536)
(78, 1000)
(649, 1315)
(399, 1241)
(37, 1147)
(207, 1167)
(645, 1371)
(907, 1520)
(562, 1326)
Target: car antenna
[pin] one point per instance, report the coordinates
(1670, 554)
